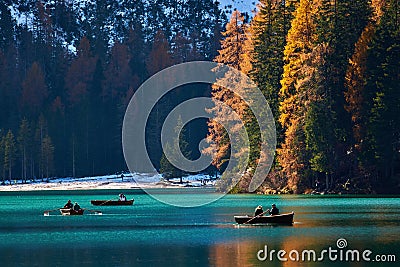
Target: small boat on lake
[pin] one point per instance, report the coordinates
(66, 212)
(112, 202)
(286, 219)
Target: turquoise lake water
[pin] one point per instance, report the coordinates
(151, 233)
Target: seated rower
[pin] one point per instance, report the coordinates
(76, 206)
(258, 211)
(122, 197)
(274, 210)
(69, 205)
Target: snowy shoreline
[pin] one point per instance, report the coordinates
(128, 181)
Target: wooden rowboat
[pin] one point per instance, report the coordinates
(286, 219)
(112, 202)
(66, 212)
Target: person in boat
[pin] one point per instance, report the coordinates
(69, 205)
(76, 206)
(259, 210)
(122, 197)
(274, 210)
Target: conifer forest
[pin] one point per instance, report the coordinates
(329, 69)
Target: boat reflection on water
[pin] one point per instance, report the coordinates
(68, 212)
(280, 219)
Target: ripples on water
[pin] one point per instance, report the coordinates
(155, 234)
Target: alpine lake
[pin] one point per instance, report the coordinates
(341, 230)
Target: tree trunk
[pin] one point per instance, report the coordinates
(9, 171)
(24, 166)
(73, 157)
(326, 181)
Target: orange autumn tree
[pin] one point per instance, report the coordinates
(78, 83)
(301, 40)
(80, 74)
(319, 44)
(34, 89)
(356, 77)
(159, 57)
(231, 53)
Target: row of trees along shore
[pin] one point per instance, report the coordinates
(330, 72)
(328, 68)
(69, 68)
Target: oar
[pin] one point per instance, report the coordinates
(259, 215)
(97, 212)
(46, 212)
(105, 202)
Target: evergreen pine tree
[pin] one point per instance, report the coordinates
(2, 168)
(167, 169)
(382, 88)
(340, 24)
(10, 150)
(267, 35)
(24, 140)
(47, 160)
(6, 26)
(358, 101)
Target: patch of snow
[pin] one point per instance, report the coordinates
(22, 18)
(111, 181)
